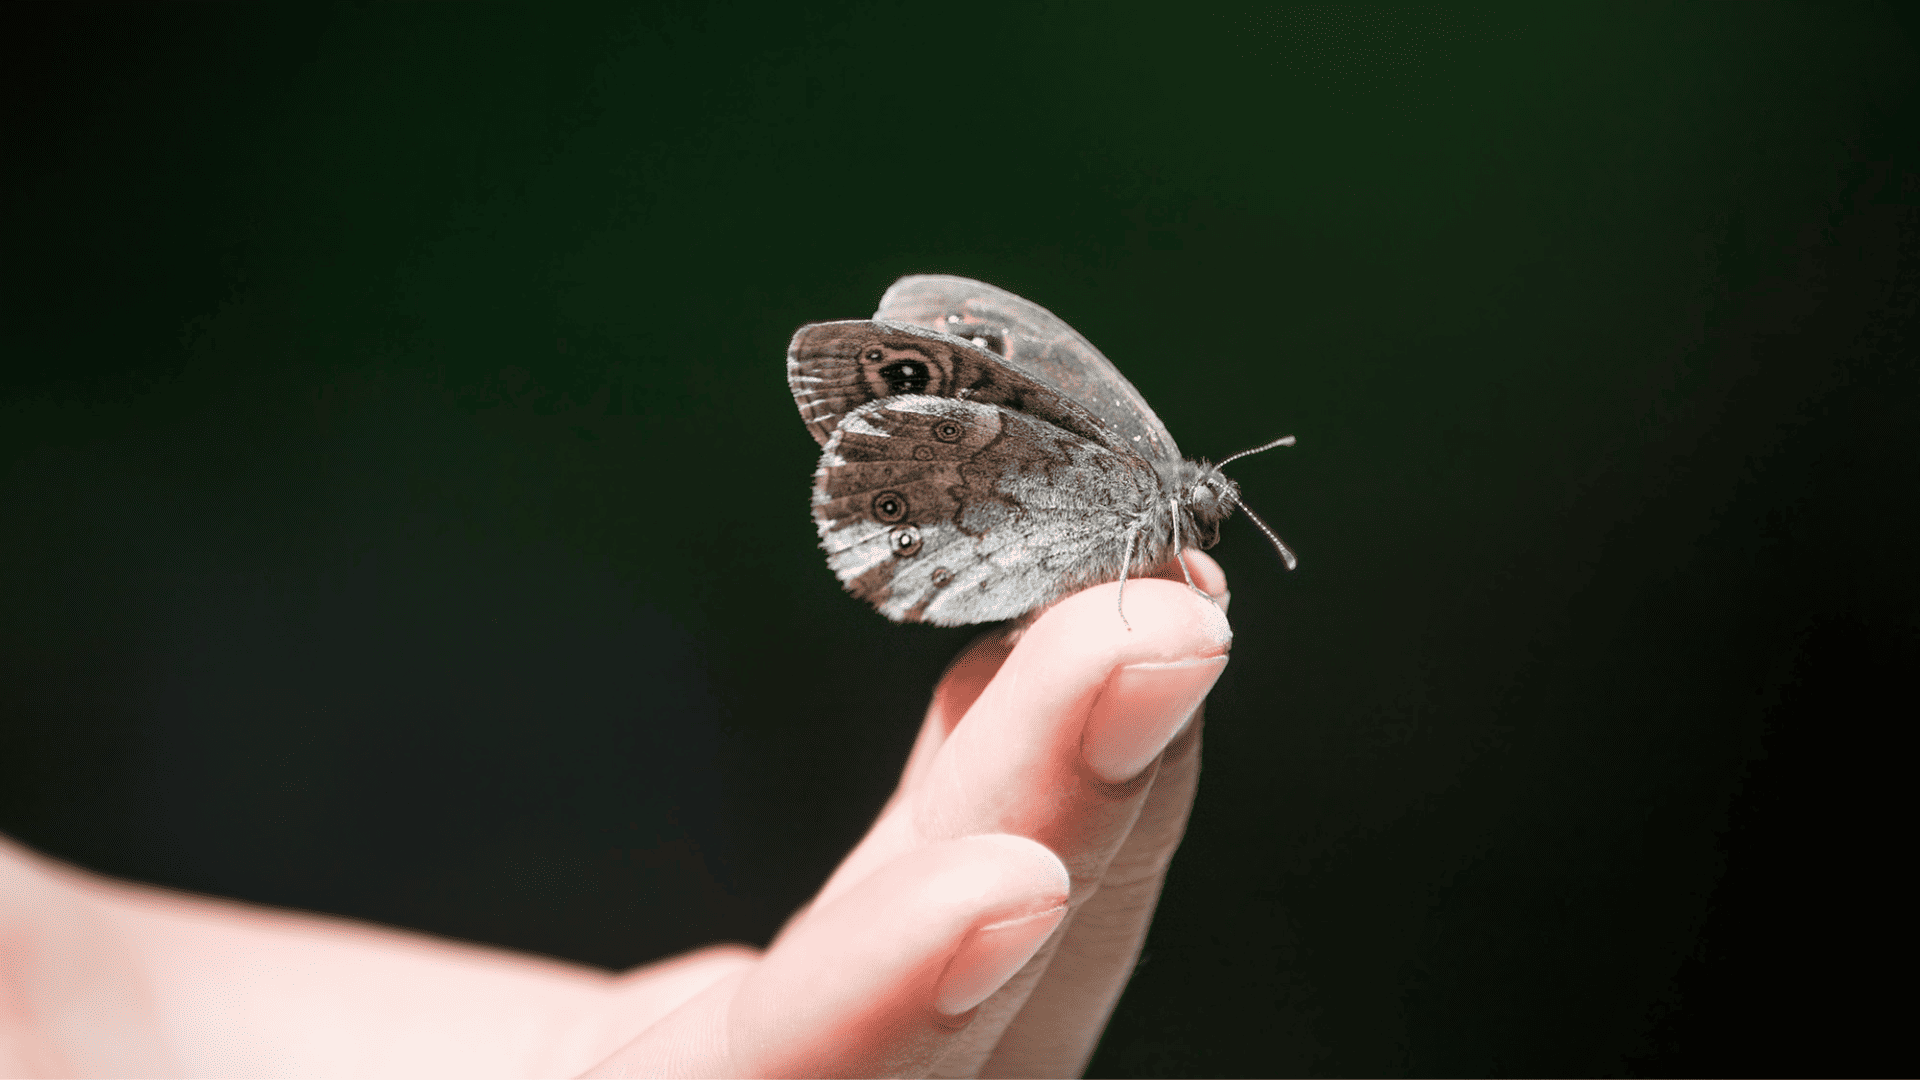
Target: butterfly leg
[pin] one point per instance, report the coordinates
(1180, 553)
(1126, 567)
(1179, 547)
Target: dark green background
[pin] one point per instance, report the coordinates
(403, 513)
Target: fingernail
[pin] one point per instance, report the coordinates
(990, 956)
(1141, 709)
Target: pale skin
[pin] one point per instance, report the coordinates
(985, 926)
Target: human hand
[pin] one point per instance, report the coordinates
(985, 926)
(990, 919)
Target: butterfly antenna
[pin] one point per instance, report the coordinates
(1286, 554)
(1284, 440)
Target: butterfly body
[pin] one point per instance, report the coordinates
(958, 484)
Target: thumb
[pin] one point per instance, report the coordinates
(877, 981)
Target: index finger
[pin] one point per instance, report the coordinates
(1043, 752)
(976, 665)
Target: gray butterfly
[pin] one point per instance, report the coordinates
(983, 460)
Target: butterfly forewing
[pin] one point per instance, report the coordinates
(834, 368)
(951, 511)
(1037, 343)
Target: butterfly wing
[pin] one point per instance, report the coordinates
(834, 368)
(950, 511)
(1036, 342)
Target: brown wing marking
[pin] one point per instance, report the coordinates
(1036, 342)
(834, 368)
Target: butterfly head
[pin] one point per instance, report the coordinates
(1204, 496)
(1208, 497)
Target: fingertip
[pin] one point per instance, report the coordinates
(1207, 574)
(1024, 867)
(1163, 621)
(1020, 888)
(871, 981)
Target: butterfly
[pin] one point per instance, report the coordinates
(980, 459)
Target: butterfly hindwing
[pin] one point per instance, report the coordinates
(951, 511)
(1036, 342)
(834, 368)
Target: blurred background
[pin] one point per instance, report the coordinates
(403, 514)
